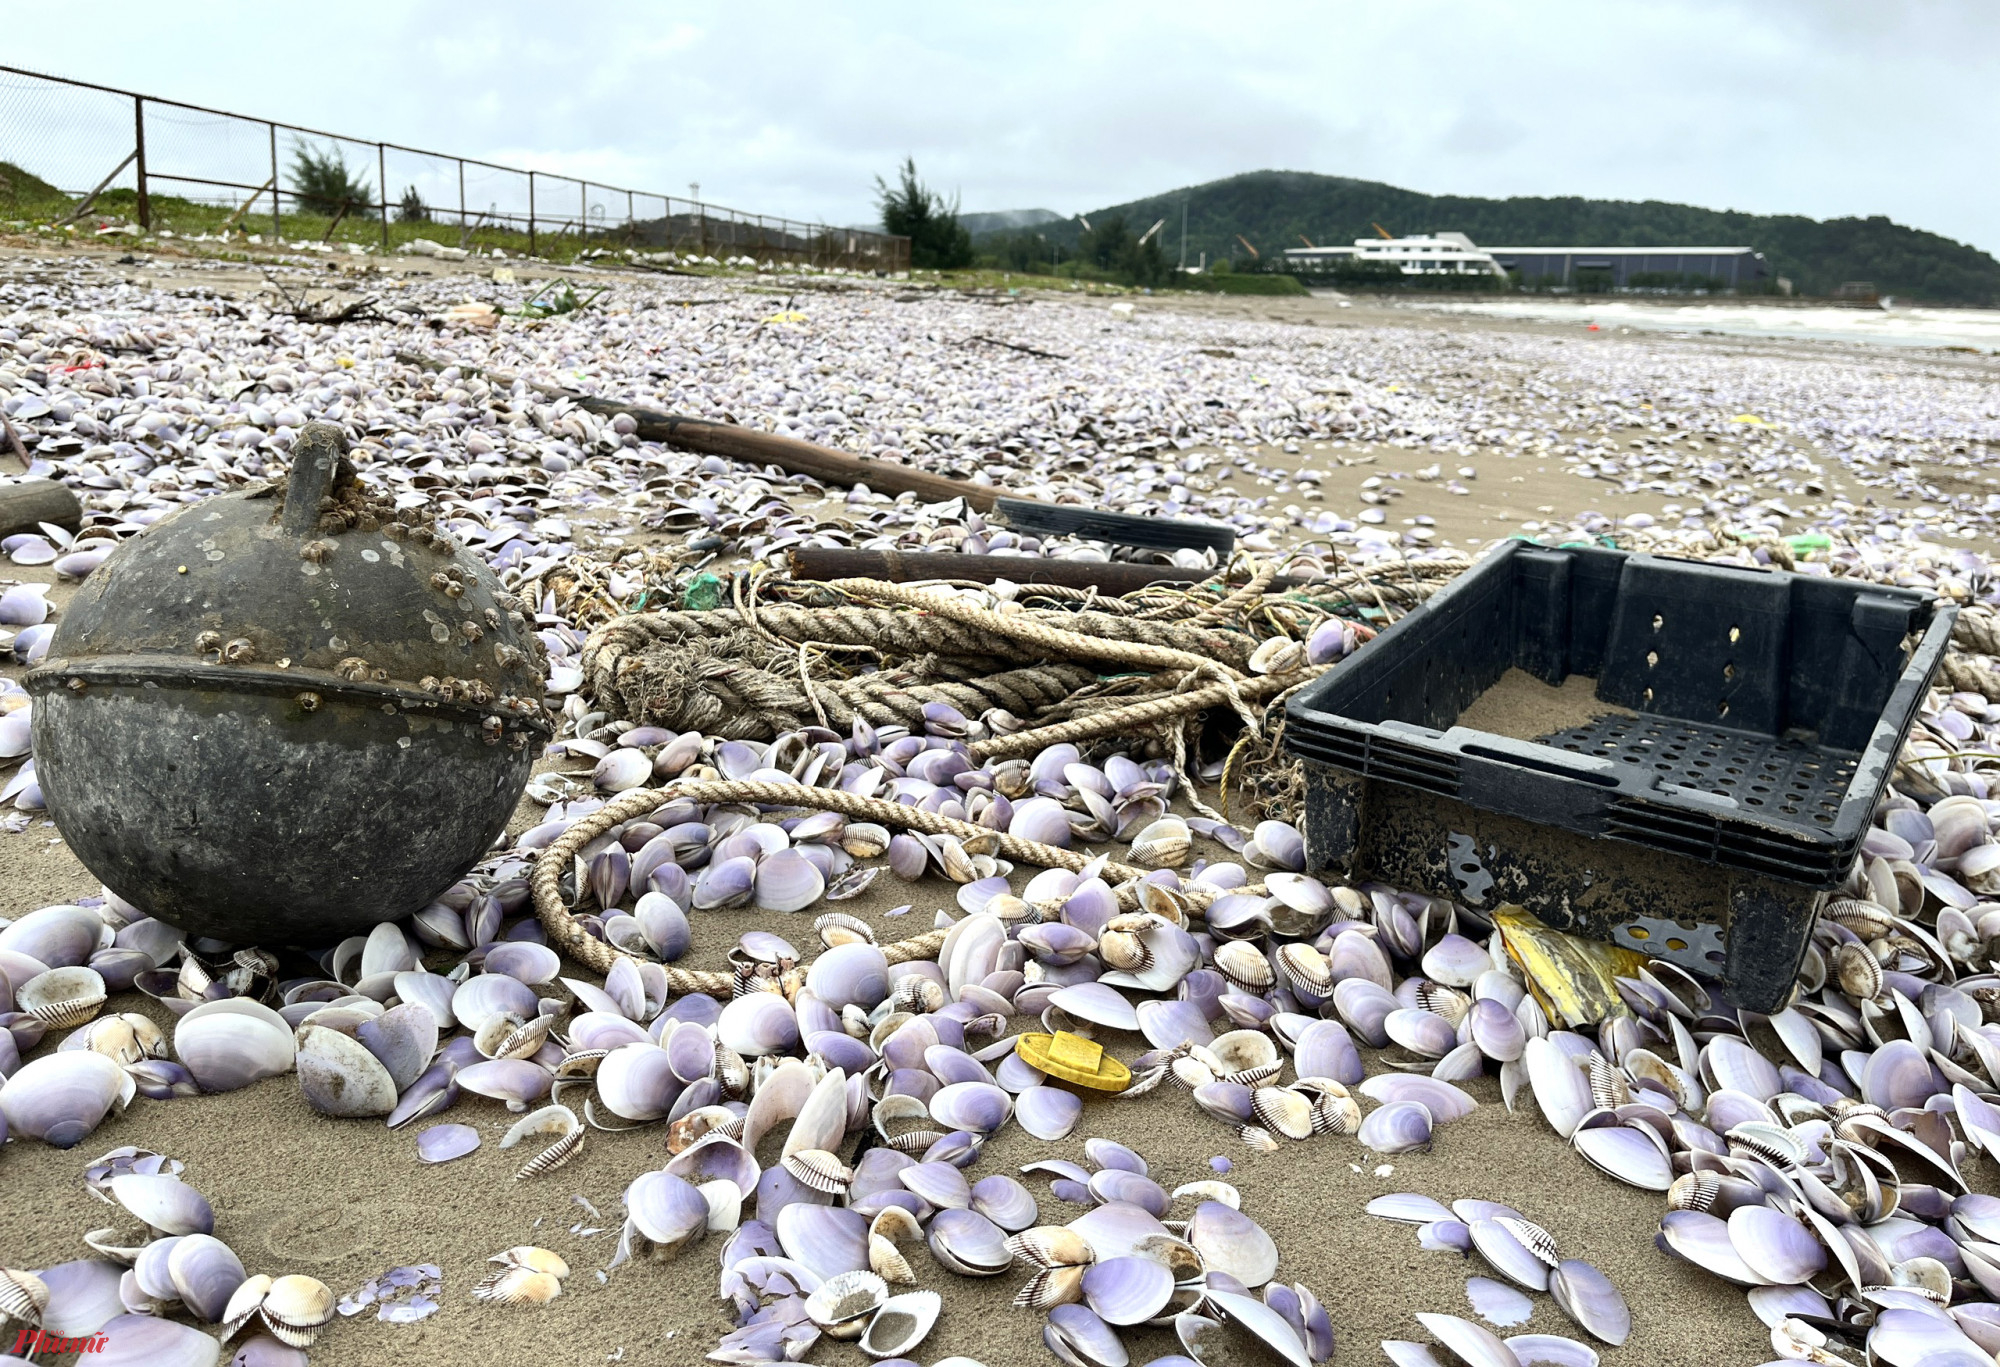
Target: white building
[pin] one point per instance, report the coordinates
(1567, 268)
(1425, 254)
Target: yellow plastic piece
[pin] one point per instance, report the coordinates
(1571, 978)
(1073, 1058)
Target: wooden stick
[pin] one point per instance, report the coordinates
(255, 195)
(742, 443)
(83, 205)
(345, 205)
(1016, 346)
(1114, 578)
(14, 442)
(27, 503)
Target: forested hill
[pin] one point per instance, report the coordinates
(1273, 209)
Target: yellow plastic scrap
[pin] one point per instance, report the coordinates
(1072, 1058)
(786, 316)
(1573, 979)
(1751, 419)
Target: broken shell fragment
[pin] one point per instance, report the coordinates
(557, 1133)
(901, 1323)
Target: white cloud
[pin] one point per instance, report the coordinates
(1823, 107)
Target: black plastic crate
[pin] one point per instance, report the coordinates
(1706, 827)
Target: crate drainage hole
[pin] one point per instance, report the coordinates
(1474, 882)
(1785, 772)
(1697, 946)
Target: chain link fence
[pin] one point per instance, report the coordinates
(72, 148)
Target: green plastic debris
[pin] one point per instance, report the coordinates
(703, 594)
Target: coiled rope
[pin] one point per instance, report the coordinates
(568, 936)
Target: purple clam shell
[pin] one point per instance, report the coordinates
(1398, 1127)
(1170, 1024)
(1116, 1184)
(1128, 1290)
(442, 1143)
(1326, 1050)
(1083, 1336)
(1587, 1296)
(1048, 1113)
(829, 1240)
(969, 1243)
(149, 1341)
(1005, 1202)
(1498, 1303)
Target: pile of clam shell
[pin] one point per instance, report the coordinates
(162, 1260)
(830, 1243)
(1837, 1131)
(1821, 1155)
(1526, 1255)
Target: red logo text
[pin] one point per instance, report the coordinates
(35, 1341)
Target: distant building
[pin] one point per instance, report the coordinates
(1619, 268)
(1585, 269)
(1426, 254)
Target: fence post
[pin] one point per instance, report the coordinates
(461, 201)
(583, 212)
(277, 227)
(382, 175)
(139, 142)
(531, 213)
(631, 222)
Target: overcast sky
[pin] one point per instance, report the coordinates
(1821, 107)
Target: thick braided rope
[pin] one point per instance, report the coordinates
(1968, 665)
(1976, 630)
(905, 633)
(1230, 605)
(567, 935)
(1029, 629)
(742, 700)
(1140, 716)
(1967, 674)
(1411, 580)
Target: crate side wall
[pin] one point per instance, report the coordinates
(1430, 666)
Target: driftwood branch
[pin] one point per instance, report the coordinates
(14, 441)
(307, 309)
(1113, 578)
(1016, 346)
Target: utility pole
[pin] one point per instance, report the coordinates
(1184, 200)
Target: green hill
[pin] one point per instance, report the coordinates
(1274, 208)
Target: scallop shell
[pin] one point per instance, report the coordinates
(23, 1296)
(296, 1309)
(819, 1169)
(518, 1286)
(557, 1123)
(62, 997)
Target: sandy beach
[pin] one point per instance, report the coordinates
(347, 1200)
